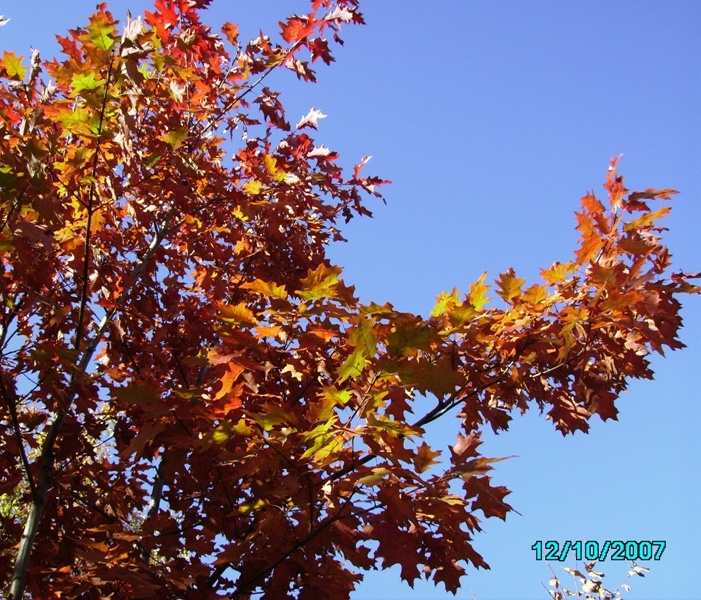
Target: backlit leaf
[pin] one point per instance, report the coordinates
(509, 286)
(13, 65)
(176, 138)
(238, 314)
(320, 283)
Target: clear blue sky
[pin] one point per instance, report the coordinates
(492, 119)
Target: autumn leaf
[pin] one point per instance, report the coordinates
(310, 119)
(320, 283)
(12, 65)
(238, 314)
(425, 458)
(296, 28)
(509, 286)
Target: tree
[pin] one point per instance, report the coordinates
(193, 402)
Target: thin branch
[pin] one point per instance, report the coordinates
(88, 223)
(11, 404)
(155, 503)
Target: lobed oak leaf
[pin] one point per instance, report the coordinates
(646, 220)
(339, 13)
(476, 466)
(410, 335)
(353, 365)
(253, 187)
(438, 377)
(228, 380)
(449, 576)
(509, 286)
(12, 65)
(225, 431)
(320, 152)
(175, 139)
(634, 200)
(377, 474)
(357, 168)
(320, 282)
(89, 82)
(464, 447)
(100, 32)
(477, 296)
(558, 273)
(301, 69)
(231, 32)
(310, 119)
(238, 314)
(489, 499)
(445, 302)
(425, 458)
(319, 48)
(296, 28)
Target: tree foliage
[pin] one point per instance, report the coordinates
(192, 401)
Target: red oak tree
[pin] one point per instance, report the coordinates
(193, 404)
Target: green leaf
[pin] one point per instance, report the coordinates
(445, 302)
(8, 178)
(13, 65)
(152, 160)
(86, 82)
(100, 32)
(221, 434)
(80, 121)
(353, 365)
(175, 138)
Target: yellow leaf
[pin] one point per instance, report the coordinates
(320, 283)
(13, 65)
(558, 273)
(509, 285)
(445, 302)
(478, 292)
(238, 314)
(271, 167)
(253, 187)
(340, 397)
(266, 288)
(377, 475)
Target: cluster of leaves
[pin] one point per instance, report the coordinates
(192, 401)
(589, 584)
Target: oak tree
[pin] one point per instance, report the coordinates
(193, 403)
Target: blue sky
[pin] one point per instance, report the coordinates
(492, 119)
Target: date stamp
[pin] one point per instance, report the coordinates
(593, 550)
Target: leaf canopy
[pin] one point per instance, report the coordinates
(212, 410)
